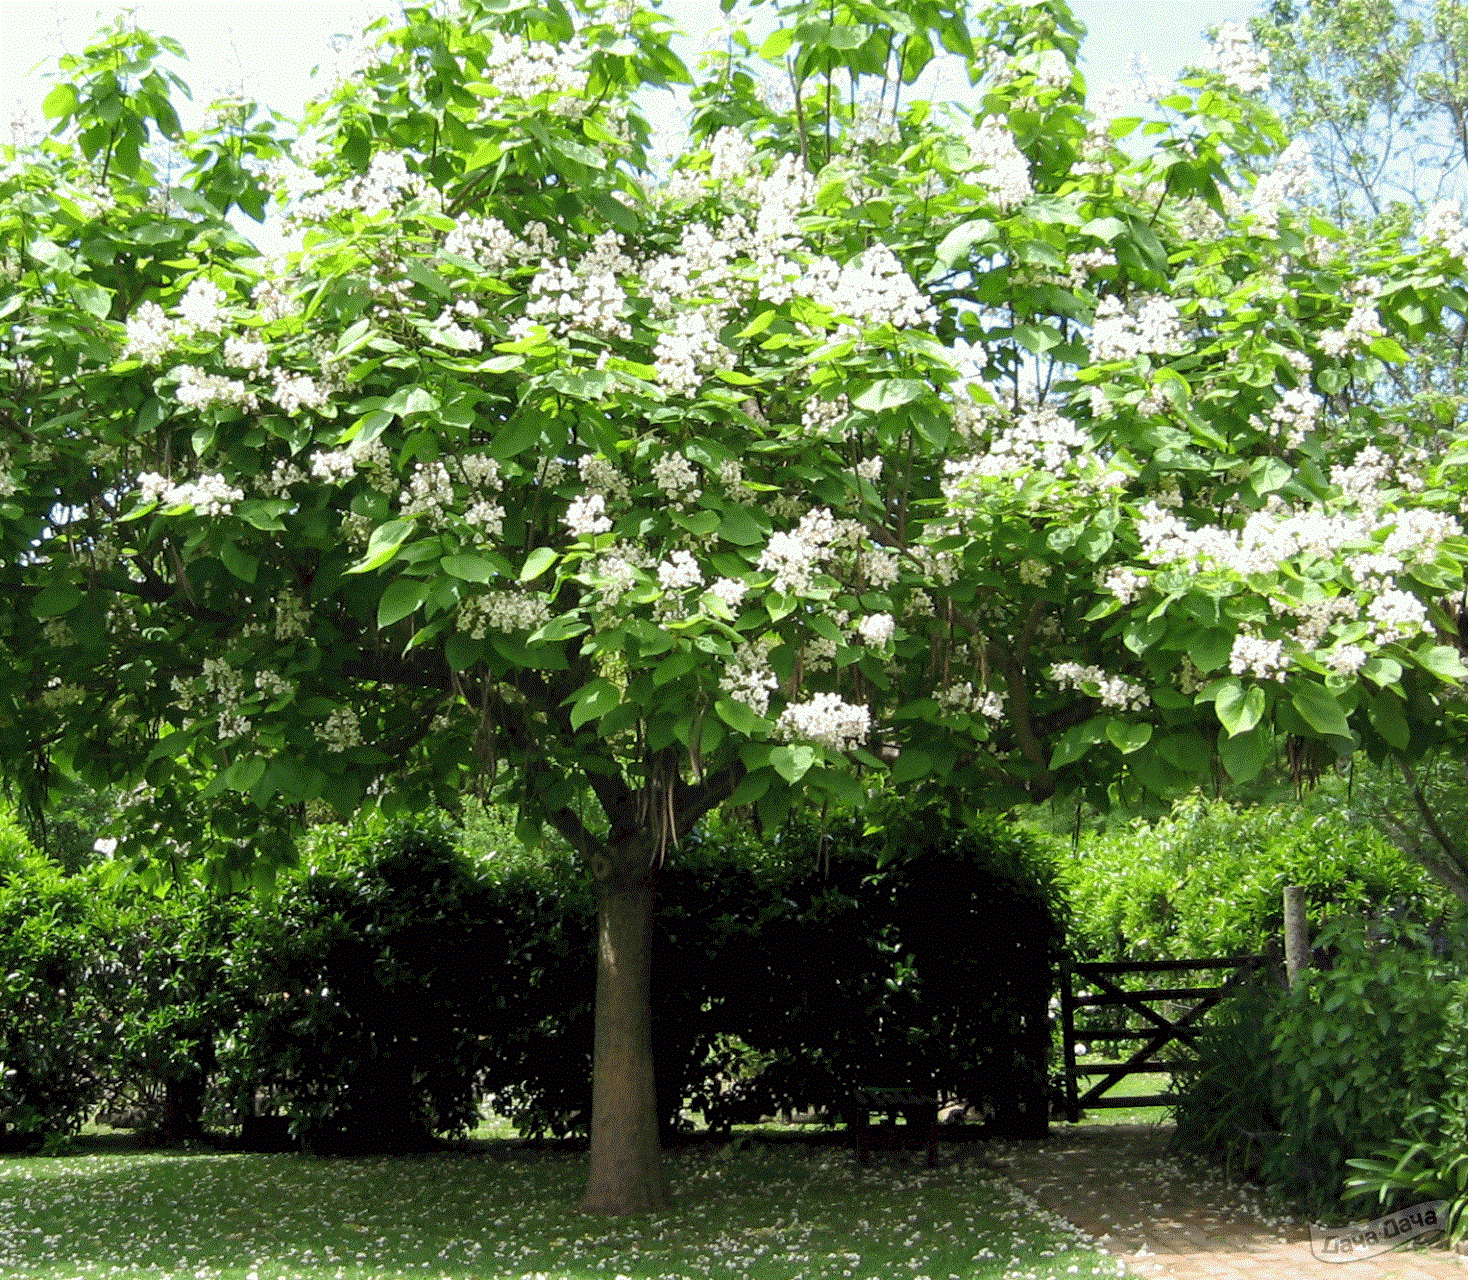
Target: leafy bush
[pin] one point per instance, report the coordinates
(926, 950)
(54, 1044)
(1339, 1068)
(1208, 880)
(363, 986)
(1429, 1161)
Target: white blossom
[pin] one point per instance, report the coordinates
(999, 166)
(826, 720)
(679, 572)
(1256, 656)
(1243, 66)
(1114, 691)
(586, 516)
(876, 630)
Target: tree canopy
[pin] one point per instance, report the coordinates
(867, 440)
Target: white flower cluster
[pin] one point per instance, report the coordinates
(1295, 415)
(690, 350)
(680, 572)
(964, 699)
(1291, 179)
(227, 685)
(430, 492)
(1039, 439)
(339, 465)
(1114, 691)
(386, 185)
(1359, 330)
(446, 331)
(246, 351)
(272, 684)
(1443, 225)
(615, 572)
(1396, 615)
(1256, 656)
(492, 246)
(209, 495)
(506, 611)
(795, 557)
(567, 302)
(1000, 167)
(1125, 584)
(151, 334)
(1239, 61)
(202, 306)
(872, 289)
(602, 476)
(341, 732)
(296, 391)
(1086, 264)
(747, 676)
(729, 590)
(199, 390)
(876, 630)
(1117, 334)
(1345, 659)
(676, 477)
(526, 69)
(824, 419)
(586, 516)
(825, 720)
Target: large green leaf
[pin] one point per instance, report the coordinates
(1239, 707)
(384, 544)
(401, 598)
(593, 701)
(1320, 709)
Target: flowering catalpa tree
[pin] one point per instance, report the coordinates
(864, 441)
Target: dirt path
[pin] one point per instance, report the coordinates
(1168, 1222)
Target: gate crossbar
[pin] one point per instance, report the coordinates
(1164, 1029)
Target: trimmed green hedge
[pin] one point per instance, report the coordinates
(393, 981)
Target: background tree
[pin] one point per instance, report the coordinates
(1377, 92)
(872, 440)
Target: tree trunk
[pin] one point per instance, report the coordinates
(626, 1159)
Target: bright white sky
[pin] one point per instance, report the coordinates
(269, 47)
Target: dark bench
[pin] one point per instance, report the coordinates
(919, 1113)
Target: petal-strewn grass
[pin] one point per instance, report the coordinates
(755, 1213)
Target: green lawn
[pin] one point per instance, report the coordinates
(756, 1212)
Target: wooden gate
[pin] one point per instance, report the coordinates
(1161, 1030)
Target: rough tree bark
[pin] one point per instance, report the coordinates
(626, 1174)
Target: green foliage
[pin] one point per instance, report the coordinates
(363, 985)
(1429, 1161)
(54, 1039)
(1362, 1058)
(1208, 879)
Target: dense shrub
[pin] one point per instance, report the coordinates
(1358, 1055)
(921, 951)
(910, 950)
(364, 986)
(1208, 880)
(53, 1040)
(391, 981)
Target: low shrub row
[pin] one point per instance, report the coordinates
(392, 982)
(1208, 879)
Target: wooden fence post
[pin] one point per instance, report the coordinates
(1296, 934)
